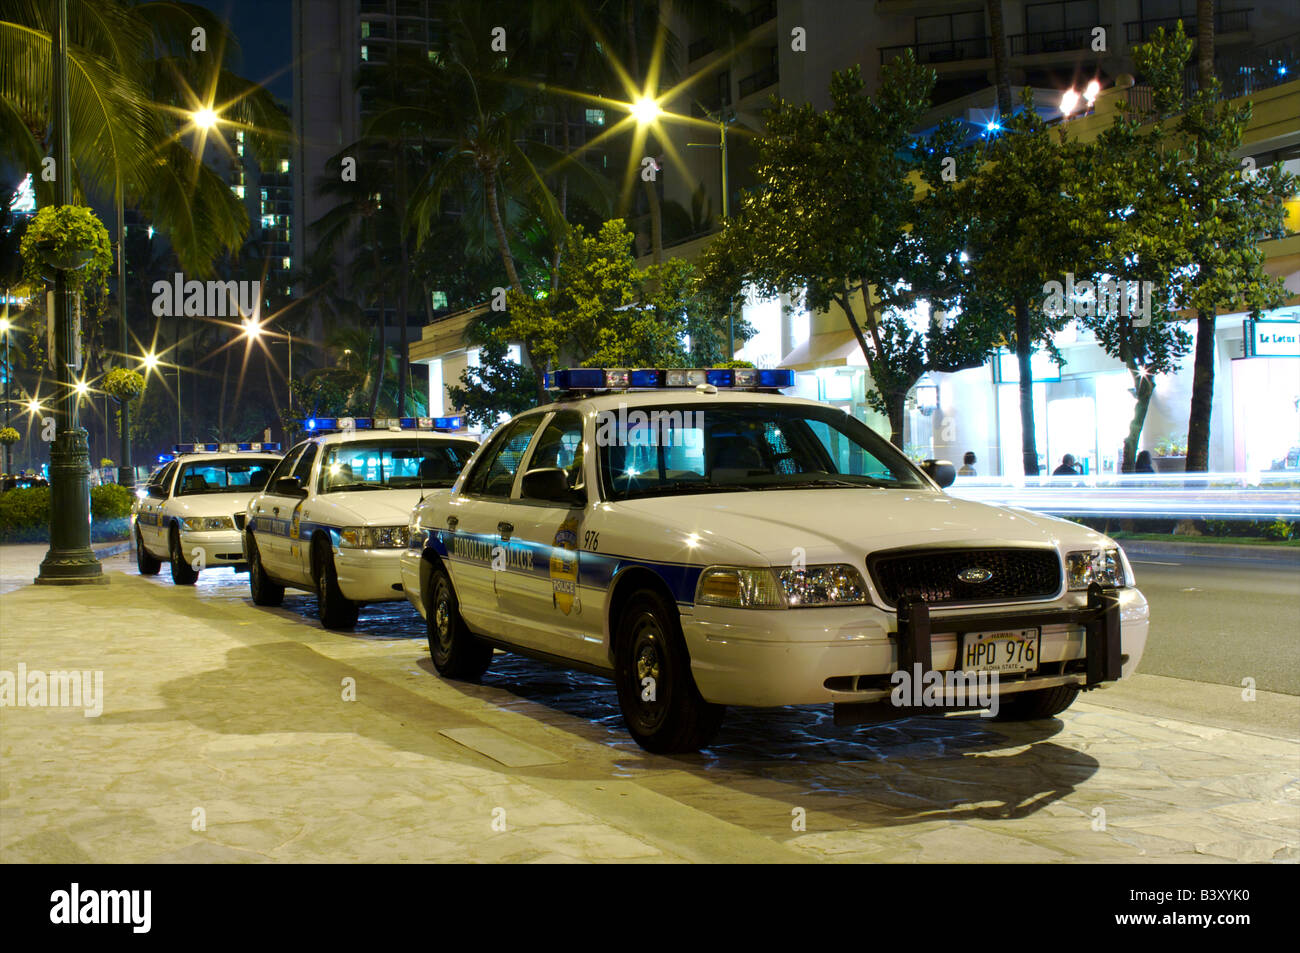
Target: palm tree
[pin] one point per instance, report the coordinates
(1001, 74)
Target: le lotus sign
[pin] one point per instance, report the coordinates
(1272, 338)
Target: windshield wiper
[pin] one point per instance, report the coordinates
(687, 486)
(821, 481)
(358, 486)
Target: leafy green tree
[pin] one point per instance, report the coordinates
(1125, 182)
(609, 311)
(1227, 211)
(837, 222)
(1021, 205)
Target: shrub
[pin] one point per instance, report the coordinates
(110, 501)
(1278, 529)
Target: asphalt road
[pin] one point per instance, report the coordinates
(1220, 621)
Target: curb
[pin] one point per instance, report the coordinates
(1286, 555)
(112, 549)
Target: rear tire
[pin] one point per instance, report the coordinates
(183, 574)
(667, 714)
(455, 651)
(264, 591)
(1037, 705)
(335, 609)
(144, 562)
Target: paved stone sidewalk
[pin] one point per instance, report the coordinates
(227, 735)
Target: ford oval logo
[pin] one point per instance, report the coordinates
(975, 574)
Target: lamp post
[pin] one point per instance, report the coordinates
(725, 116)
(9, 373)
(70, 560)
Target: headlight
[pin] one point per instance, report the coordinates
(1102, 566)
(739, 588)
(374, 537)
(197, 524)
(840, 585)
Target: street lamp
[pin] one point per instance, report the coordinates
(5, 327)
(253, 331)
(1069, 102)
(204, 118)
(70, 560)
(725, 116)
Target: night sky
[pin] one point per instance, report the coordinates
(265, 40)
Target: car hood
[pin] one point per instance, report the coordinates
(846, 524)
(373, 507)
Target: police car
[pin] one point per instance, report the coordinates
(190, 513)
(705, 541)
(333, 516)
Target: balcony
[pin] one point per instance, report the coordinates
(701, 47)
(1225, 21)
(942, 51)
(765, 77)
(1241, 73)
(759, 15)
(1052, 41)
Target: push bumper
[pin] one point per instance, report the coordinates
(847, 655)
(218, 547)
(369, 575)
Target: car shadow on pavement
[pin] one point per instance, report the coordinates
(926, 768)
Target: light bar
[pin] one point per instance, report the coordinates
(164, 458)
(619, 378)
(346, 424)
(196, 447)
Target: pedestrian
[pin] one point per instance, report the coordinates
(1143, 463)
(1067, 467)
(967, 465)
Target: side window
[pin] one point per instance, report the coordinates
(285, 467)
(162, 479)
(560, 445)
(302, 469)
(494, 475)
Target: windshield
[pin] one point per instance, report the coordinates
(224, 476)
(696, 448)
(393, 465)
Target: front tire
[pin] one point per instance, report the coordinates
(661, 704)
(1037, 705)
(183, 574)
(335, 609)
(455, 651)
(144, 562)
(264, 591)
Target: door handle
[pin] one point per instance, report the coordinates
(504, 528)
(453, 522)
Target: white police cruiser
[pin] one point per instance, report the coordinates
(190, 512)
(706, 541)
(333, 516)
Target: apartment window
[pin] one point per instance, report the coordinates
(1070, 15)
(365, 29)
(238, 190)
(286, 263)
(595, 117)
(284, 165)
(438, 300)
(948, 27)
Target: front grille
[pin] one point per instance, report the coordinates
(239, 520)
(932, 575)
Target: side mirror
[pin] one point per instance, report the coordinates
(552, 485)
(288, 486)
(156, 490)
(940, 471)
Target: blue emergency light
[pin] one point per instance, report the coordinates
(180, 448)
(619, 378)
(327, 424)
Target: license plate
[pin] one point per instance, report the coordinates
(1013, 650)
